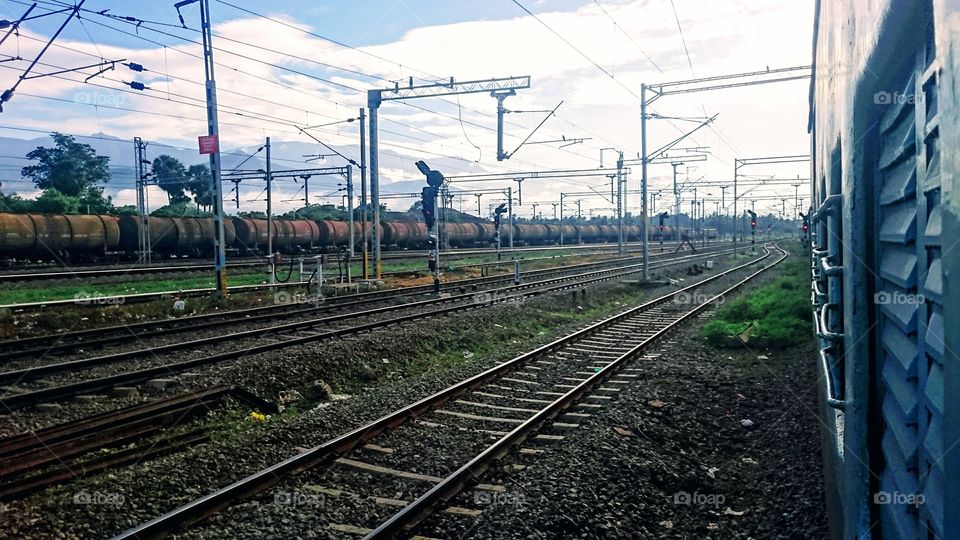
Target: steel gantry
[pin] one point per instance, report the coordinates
(519, 177)
(269, 175)
(376, 97)
(652, 92)
(739, 163)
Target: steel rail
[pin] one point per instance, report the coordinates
(329, 451)
(15, 376)
(80, 272)
(422, 506)
(17, 401)
(55, 342)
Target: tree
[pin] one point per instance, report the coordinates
(172, 178)
(199, 185)
(51, 201)
(72, 168)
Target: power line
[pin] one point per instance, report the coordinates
(574, 47)
(615, 24)
(279, 67)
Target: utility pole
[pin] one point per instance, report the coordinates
(143, 207)
(352, 248)
(676, 203)
(213, 133)
(510, 213)
(479, 211)
(693, 216)
(269, 206)
(363, 194)
(723, 204)
(620, 204)
(561, 217)
(374, 107)
(579, 222)
(535, 205)
(501, 95)
(643, 181)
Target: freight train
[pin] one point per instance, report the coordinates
(885, 129)
(94, 237)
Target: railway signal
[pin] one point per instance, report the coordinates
(663, 216)
(805, 227)
(496, 224)
(753, 229)
(429, 209)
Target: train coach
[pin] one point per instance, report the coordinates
(885, 129)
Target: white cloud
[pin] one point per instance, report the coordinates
(723, 37)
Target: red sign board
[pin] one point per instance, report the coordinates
(209, 144)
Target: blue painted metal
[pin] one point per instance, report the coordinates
(884, 104)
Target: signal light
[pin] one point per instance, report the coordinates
(753, 223)
(497, 213)
(429, 206)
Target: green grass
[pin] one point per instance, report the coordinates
(94, 291)
(39, 292)
(776, 315)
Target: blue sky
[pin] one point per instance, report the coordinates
(347, 21)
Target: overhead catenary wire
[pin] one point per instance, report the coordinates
(281, 67)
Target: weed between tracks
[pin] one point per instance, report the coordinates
(514, 328)
(80, 317)
(776, 315)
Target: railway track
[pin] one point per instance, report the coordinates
(531, 400)
(291, 306)
(38, 459)
(85, 271)
(207, 351)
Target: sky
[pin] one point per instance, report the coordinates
(290, 64)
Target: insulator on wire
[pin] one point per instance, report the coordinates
(135, 66)
(137, 85)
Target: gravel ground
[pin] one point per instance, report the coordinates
(137, 493)
(236, 372)
(669, 457)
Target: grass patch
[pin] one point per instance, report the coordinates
(776, 315)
